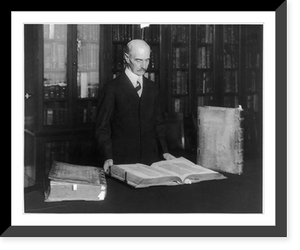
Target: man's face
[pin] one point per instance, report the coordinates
(138, 59)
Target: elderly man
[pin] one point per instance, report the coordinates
(128, 128)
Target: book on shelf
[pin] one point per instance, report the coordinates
(55, 91)
(231, 34)
(150, 75)
(252, 102)
(121, 32)
(48, 116)
(118, 56)
(75, 182)
(55, 114)
(54, 86)
(180, 82)
(231, 81)
(154, 57)
(178, 171)
(252, 80)
(204, 57)
(177, 105)
(205, 34)
(180, 57)
(205, 100)
(180, 34)
(86, 114)
(180, 105)
(230, 59)
(151, 34)
(204, 82)
(252, 59)
(220, 139)
(231, 100)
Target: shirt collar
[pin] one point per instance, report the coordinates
(133, 77)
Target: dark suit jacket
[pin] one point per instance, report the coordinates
(128, 128)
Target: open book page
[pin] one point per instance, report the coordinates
(140, 175)
(171, 172)
(185, 169)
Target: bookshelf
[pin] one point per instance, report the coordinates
(62, 83)
(88, 47)
(231, 48)
(205, 66)
(253, 61)
(216, 65)
(55, 86)
(252, 87)
(179, 69)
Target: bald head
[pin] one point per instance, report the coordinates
(137, 56)
(136, 44)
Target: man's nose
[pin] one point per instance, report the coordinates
(144, 64)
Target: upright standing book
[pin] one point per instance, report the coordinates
(220, 139)
(75, 182)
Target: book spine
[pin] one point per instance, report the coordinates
(239, 141)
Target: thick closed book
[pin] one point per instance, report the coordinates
(220, 139)
(178, 171)
(75, 182)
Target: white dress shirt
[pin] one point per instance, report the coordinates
(134, 79)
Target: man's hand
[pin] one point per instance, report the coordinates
(107, 164)
(168, 156)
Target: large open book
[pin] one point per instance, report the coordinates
(75, 182)
(220, 139)
(172, 172)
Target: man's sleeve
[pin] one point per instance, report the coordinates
(160, 125)
(105, 111)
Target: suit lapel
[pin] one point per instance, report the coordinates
(128, 87)
(146, 93)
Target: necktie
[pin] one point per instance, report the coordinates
(138, 86)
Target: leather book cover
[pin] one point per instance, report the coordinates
(220, 139)
(75, 182)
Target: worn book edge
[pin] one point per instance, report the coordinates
(66, 172)
(67, 191)
(73, 179)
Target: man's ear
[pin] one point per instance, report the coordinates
(126, 57)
